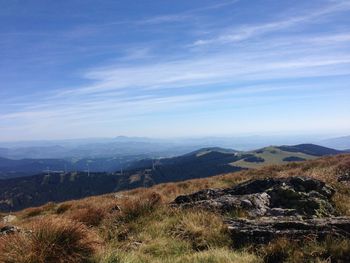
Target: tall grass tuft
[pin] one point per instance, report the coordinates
(50, 240)
(133, 208)
(90, 216)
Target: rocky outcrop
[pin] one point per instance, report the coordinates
(263, 230)
(294, 196)
(292, 207)
(9, 219)
(344, 177)
(6, 230)
(343, 172)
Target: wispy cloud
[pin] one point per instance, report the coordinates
(215, 69)
(249, 31)
(147, 79)
(185, 15)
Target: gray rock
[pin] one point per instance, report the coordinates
(272, 196)
(255, 204)
(9, 219)
(282, 212)
(263, 230)
(344, 177)
(245, 203)
(292, 207)
(6, 230)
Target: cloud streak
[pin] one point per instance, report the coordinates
(222, 73)
(250, 31)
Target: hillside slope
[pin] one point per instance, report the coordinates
(140, 226)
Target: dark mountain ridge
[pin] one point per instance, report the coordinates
(311, 149)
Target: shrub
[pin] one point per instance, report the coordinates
(50, 240)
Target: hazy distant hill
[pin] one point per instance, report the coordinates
(341, 143)
(152, 147)
(96, 148)
(25, 167)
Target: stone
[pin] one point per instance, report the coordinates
(271, 196)
(6, 230)
(115, 208)
(9, 219)
(293, 208)
(344, 177)
(263, 230)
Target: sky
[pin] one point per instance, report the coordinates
(164, 68)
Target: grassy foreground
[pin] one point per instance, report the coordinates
(139, 226)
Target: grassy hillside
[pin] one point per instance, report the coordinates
(272, 155)
(140, 226)
(283, 154)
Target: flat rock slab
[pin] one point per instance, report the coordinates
(294, 208)
(9, 219)
(291, 196)
(263, 230)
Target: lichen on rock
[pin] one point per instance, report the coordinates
(272, 196)
(293, 207)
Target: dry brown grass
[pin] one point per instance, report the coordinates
(31, 212)
(90, 216)
(134, 211)
(62, 208)
(50, 240)
(133, 208)
(284, 250)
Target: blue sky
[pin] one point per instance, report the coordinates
(83, 68)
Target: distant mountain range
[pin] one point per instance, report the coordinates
(21, 192)
(123, 146)
(341, 143)
(10, 168)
